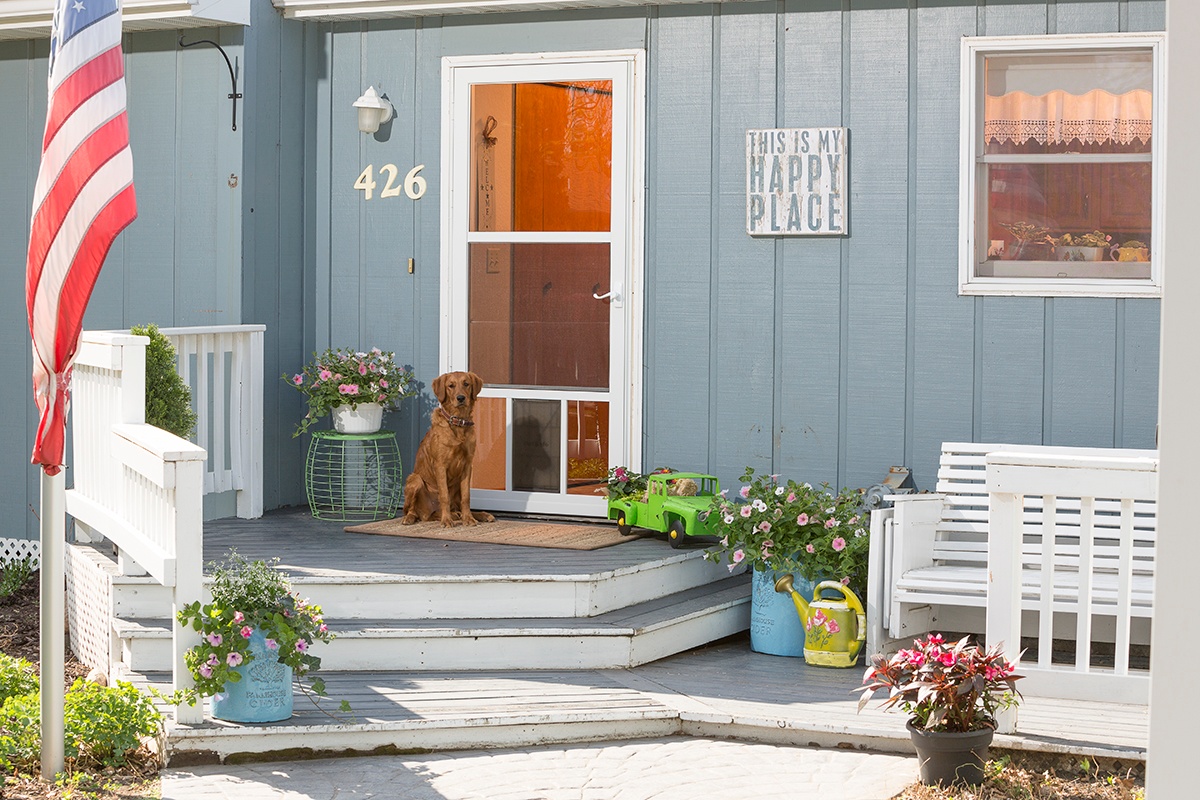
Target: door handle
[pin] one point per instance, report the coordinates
(614, 293)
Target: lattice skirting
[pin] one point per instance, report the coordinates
(89, 608)
(18, 549)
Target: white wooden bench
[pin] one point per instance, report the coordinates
(929, 553)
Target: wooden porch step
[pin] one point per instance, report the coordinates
(464, 589)
(625, 637)
(724, 691)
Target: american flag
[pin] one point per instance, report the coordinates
(84, 197)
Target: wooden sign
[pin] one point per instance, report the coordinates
(796, 182)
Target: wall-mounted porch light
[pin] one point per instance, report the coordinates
(373, 111)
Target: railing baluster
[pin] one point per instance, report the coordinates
(228, 395)
(1046, 612)
(1084, 599)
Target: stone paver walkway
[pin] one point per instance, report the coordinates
(675, 768)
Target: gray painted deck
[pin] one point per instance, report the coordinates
(723, 690)
(313, 548)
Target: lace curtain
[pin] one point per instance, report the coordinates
(1058, 117)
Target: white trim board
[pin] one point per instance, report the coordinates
(30, 19)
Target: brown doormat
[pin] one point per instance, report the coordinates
(508, 531)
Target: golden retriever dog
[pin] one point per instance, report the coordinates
(440, 483)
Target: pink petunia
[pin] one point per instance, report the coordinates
(383, 384)
(205, 670)
(744, 491)
(362, 369)
(272, 644)
(238, 617)
(246, 631)
(213, 661)
(298, 379)
(838, 544)
(831, 522)
(791, 498)
(301, 645)
(764, 526)
(747, 511)
(233, 659)
(738, 556)
(802, 519)
(846, 581)
(809, 548)
(215, 639)
(325, 374)
(322, 628)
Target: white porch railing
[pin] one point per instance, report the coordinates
(223, 366)
(137, 485)
(1090, 556)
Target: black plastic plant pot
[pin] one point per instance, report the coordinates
(951, 757)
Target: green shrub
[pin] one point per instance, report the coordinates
(168, 398)
(14, 574)
(17, 677)
(103, 725)
(20, 732)
(106, 723)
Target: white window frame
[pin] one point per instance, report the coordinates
(971, 165)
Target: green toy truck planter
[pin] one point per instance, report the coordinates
(683, 517)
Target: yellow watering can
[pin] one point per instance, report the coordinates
(834, 630)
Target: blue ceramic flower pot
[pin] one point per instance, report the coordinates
(264, 694)
(775, 627)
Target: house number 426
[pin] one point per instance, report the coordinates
(414, 184)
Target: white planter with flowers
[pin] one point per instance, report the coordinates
(355, 387)
(363, 418)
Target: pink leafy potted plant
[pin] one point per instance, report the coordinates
(952, 693)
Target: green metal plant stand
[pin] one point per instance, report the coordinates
(353, 476)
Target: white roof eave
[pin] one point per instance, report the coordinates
(376, 9)
(30, 19)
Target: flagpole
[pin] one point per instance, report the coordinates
(53, 661)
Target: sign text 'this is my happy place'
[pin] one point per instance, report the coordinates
(796, 181)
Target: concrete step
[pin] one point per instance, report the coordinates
(624, 637)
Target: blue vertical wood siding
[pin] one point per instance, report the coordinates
(179, 263)
(821, 359)
(679, 275)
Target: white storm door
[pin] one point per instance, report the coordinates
(541, 272)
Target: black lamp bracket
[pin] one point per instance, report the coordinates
(234, 94)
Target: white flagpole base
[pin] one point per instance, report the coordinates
(53, 610)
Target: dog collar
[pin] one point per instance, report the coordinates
(456, 421)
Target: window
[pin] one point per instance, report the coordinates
(1059, 165)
